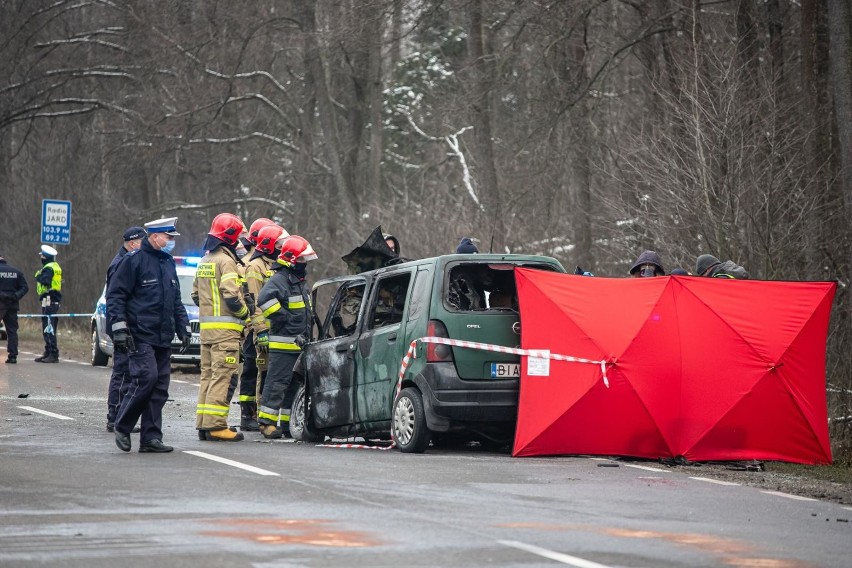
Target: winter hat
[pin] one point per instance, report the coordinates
(133, 233)
(466, 246)
(648, 257)
(704, 262)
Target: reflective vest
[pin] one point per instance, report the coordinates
(55, 282)
(218, 287)
(258, 271)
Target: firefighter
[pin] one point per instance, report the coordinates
(49, 290)
(257, 273)
(145, 309)
(285, 303)
(222, 314)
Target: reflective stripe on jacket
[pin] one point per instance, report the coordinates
(217, 285)
(284, 302)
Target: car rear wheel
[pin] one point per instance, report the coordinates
(99, 358)
(299, 428)
(409, 422)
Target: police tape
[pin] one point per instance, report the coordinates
(412, 354)
(536, 353)
(55, 315)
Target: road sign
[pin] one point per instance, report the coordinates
(55, 221)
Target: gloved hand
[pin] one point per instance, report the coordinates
(184, 343)
(123, 341)
(300, 341)
(262, 342)
(249, 300)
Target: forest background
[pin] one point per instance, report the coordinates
(587, 130)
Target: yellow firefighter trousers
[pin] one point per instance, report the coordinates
(219, 361)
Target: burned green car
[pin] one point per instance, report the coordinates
(363, 327)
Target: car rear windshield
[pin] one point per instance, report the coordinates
(475, 287)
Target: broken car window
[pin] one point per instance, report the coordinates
(389, 300)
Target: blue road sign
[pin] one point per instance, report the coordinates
(55, 221)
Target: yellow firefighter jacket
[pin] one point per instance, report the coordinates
(217, 289)
(258, 271)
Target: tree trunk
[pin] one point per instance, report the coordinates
(483, 69)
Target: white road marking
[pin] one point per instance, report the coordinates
(46, 413)
(180, 381)
(600, 459)
(848, 508)
(646, 468)
(716, 481)
(788, 496)
(557, 556)
(232, 463)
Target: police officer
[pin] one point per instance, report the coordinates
(119, 380)
(247, 377)
(284, 301)
(222, 313)
(267, 246)
(13, 287)
(49, 290)
(145, 308)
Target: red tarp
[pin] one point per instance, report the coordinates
(703, 368)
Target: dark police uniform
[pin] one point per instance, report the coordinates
(13, 287)
(144, 296)
(285, 303)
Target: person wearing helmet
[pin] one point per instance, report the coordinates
(266, 244)
(49, 290)
(222, 314)
(285, 303)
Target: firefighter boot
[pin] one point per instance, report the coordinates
(224, 435)
(248, 417)
(270, 431)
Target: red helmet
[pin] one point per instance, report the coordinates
(296, 249)
(256, 227)
(227, 227)
(270, 238)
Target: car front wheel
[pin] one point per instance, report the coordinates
(409, 422)
(299, 428)
(99, 358)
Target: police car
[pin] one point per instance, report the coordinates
(102, 348)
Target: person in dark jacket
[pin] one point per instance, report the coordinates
(466, 246)
(709, 266)
(49, 290)
(119, 380)
(285, 303)
(144, 305)
(13, 287)
(648, 264)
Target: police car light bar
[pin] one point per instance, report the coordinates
(187, 260)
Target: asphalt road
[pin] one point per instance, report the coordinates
(69, 497)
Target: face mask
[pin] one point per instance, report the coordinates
(648, 271)
(300, 269)
(168, 247)
(241, 251)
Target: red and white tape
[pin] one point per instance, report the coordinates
(412, 354)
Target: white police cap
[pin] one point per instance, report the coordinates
(165, 225)
(48, 251)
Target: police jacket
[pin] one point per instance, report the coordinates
(258, 272)
(13, 286)
(144, 295)
(49, 281)
(122, 252)
(217, 289)
(285, 303)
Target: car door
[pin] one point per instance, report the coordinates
(381, 347)
(330, 360)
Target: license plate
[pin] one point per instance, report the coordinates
(193, 340)
(505, 370)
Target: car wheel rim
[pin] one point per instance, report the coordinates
(94, 343)
(404, 420)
